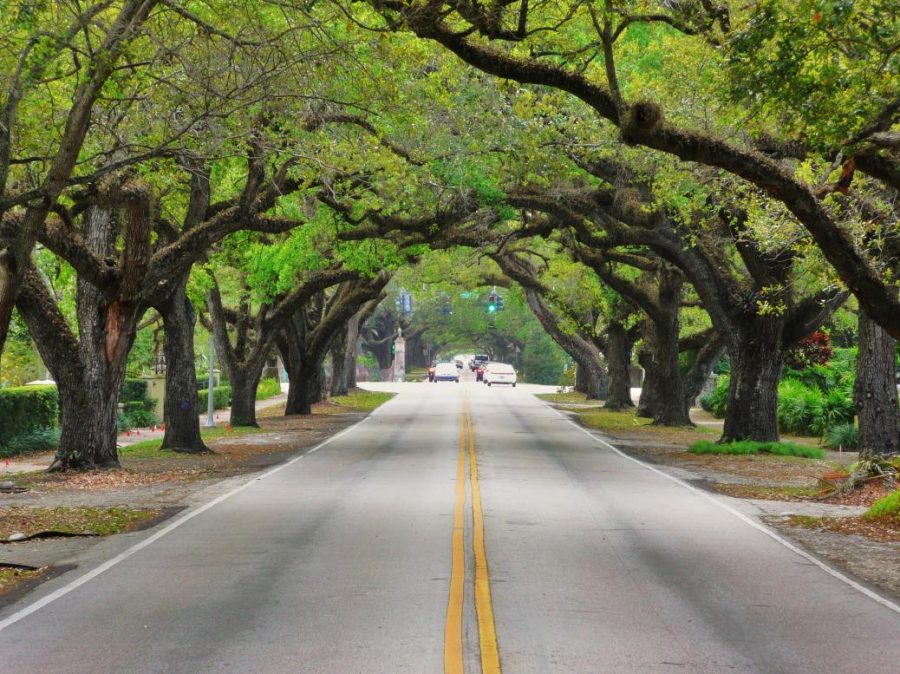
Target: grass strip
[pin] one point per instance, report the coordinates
(148, 449)
(76, 520)
(360, 400)
(745, 447)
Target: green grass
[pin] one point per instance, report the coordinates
(360, 400)
(268, 388)
(610, 420)
(750, 447)
(148, 449)
(570, 397)
(889, 506)
(101, 521)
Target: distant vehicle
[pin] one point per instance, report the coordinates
(459, 364)
(499, 373)
(446, 372)
(479, 373)
(480, 359)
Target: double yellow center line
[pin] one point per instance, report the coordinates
(484, 611)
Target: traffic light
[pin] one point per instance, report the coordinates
(499, 303)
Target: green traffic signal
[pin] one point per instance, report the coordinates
(492, 308)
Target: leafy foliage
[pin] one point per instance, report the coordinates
(842, 436)
(268, 388)
(889, 506)
(717, 401)
(826, 66)
(814, 349)
(40, 440)
(27, 410)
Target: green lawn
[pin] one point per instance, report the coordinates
(360, 400)
(151, 448)
(571, 397)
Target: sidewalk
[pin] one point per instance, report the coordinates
(221, 417)
(32, 463)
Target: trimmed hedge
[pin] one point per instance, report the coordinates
(139, 414)
(42, 440)
(132, 390)
(25, 410)
(221, 397)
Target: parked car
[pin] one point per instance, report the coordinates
(446, 372)
(499, 373)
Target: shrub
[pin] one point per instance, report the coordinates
(752, 447)
(34, 441)
(814, 349)
(889, 506)
(717, 401)
(807, 410)
(140, 413)
(132, 390)
(845, 436)
(268, 388)
(27, 409)
(221, 397)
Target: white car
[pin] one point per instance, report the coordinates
(446, 372)
(499, 373)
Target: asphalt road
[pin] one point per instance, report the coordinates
(365, 556)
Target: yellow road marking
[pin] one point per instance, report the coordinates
(453, 650)
(487, 635)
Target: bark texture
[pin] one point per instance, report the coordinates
(618, 358)
(875, 391)
(181, 416)
(757, 357)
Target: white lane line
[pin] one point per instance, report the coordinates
(884, 601)
(90, 575)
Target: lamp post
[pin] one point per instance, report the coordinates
(210, 419)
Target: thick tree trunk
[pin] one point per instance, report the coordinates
(351, 369)
(875, 392)
(305, 389)
(88, 413)
(649, 399)
(181, 415)
(590, 380)
(757, 357)
(89, 370)
(343, 355)
(244, 382)
(618, 357)
(670, 408)
(339, 367)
